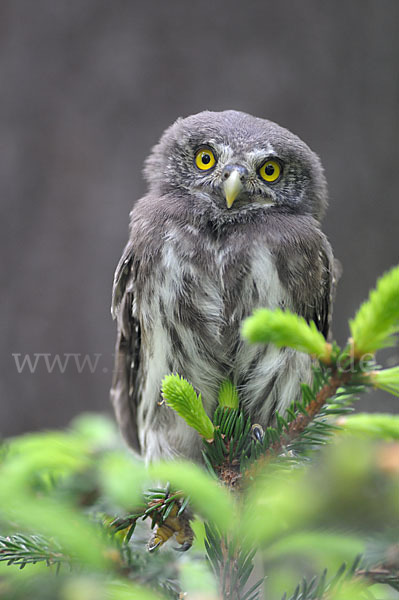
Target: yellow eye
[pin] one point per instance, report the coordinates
(205, 159)
(270, 171)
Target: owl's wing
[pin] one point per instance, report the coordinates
(124, 391)
(331, 272)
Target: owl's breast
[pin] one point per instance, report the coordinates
(192, 307)
(206, 288)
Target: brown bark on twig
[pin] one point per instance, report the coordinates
(299, 424)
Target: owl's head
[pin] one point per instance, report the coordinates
(231, 163)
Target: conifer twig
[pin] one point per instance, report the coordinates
(298, 425)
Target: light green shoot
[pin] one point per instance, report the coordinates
(180, 395)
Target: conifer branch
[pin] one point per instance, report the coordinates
(303, 419)
(22, 549)
(291, 431)
(353, 579)
(380, 575)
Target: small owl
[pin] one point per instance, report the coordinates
(230, 223)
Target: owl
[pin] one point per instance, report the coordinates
(230, 223)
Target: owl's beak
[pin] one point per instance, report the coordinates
(232, 187)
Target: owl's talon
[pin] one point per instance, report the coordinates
(257, 433)
(184, 547)
(153, 546)
(175, 525)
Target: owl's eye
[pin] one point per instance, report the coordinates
(205, 159)
(270, 171)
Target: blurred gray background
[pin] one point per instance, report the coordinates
(88, 86)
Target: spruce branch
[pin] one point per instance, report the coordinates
(380, 575)
(231, 564)
(303, 419)
(366, 576)
(302, 429)
(224, 454)
(354, 580)
(22, 549)
(158, 505)
(322, 588)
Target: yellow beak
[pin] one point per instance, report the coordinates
(232, 187)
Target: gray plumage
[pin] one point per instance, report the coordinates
(193, 269)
